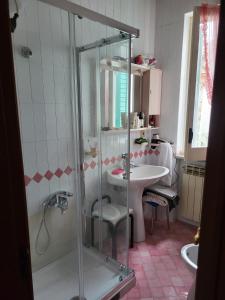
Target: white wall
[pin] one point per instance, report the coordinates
(43, 90)
(168, 48)
(137, 13)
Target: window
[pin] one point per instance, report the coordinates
(197, 72)
(185, 66)
(121, 97)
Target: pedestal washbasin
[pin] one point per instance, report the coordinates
(140, 177)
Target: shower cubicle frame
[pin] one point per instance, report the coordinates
(126, 33)
(81, 11)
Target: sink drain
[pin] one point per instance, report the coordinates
(78, 298)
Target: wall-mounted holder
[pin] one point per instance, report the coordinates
(142, 141)
(91, 146)
(26, 52)
(93, 152)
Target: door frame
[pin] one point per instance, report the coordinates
(190, 153)
(16, 276)
(16, 279)
(211, 262)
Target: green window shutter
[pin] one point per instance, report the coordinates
(121, 96)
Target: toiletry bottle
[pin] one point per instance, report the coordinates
(136, 120)
(152, 121)
(141, 118)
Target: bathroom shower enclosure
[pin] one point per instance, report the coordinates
(67, 149)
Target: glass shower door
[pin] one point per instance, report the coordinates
(41, 46)
(103, 72)
(72, 78)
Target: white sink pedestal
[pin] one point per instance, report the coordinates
(140, 178)
(135, 202)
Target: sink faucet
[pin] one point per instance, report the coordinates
(125, 160)
(126, 164)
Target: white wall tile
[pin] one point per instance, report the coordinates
(51, 121)
(23, 80)
(42, 156)
(61, 118)
(57, 41)
(36, 80)
(27, 124)
(54, 185)
(52, 147)
(59, 84)
(39, 121)
(45, 34)
(62, 153)
(49, 85)
(33, 198)
(29, 161)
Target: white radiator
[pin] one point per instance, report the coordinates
(192, 192)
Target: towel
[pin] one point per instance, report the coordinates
(156, 199)
(165, 159)
(167, 193)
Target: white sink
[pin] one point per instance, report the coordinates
(140, 177)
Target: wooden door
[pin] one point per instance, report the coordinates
(15, 265)
(211, 263)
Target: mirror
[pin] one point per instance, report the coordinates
(114, 95)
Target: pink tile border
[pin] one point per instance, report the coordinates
(37, 177)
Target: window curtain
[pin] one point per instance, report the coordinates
(209, 23)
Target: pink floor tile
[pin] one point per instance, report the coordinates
(177, 281)
(157, 292)
(169, 291)
(161, 273)
(145, 292)
(181, 291)
(142, 283)
(155, 283)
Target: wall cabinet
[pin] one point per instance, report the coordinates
(151, 92)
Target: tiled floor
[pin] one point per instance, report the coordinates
(160, 271)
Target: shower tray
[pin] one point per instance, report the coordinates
(104, 278)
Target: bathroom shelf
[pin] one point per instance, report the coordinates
(123, 130)
(122, 66)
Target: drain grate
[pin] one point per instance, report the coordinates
(78, 298)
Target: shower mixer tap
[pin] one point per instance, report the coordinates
(59, 200)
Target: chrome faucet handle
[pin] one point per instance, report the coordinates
(62, 203)
(58, 199)
(124, 155)
(65, 193)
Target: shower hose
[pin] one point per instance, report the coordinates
(45, 227)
